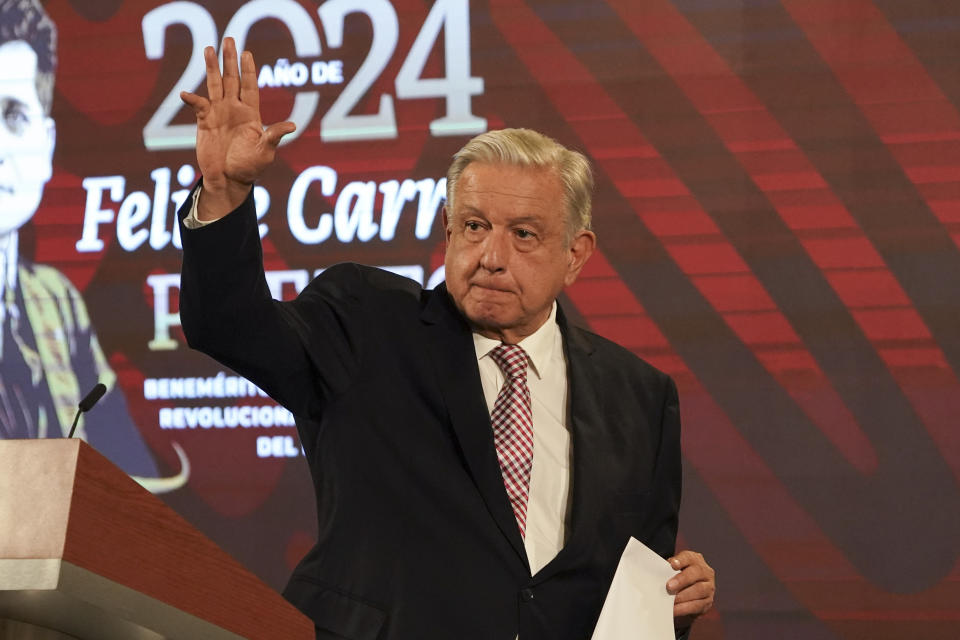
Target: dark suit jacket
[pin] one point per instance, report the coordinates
(417, 539)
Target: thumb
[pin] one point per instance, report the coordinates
(195, 102)
(275, 132)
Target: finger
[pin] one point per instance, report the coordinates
(275, 132)
(249, 91)
(214, 81)
(231, 73)
(685, 559)
(195, 102)
(698, 591)
(694, 608)
(687, 577)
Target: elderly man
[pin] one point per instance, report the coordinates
(479, 464)
(49, 354)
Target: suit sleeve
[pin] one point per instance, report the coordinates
(667, 475)
(300, 352)
(669, 478)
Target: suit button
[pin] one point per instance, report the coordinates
(526, 595)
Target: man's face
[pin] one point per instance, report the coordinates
(507, 256)
(26, 137)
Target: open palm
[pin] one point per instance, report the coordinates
(233, 148)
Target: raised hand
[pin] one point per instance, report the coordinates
(233, 148)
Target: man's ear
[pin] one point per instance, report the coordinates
(444, 218)
(581, 247)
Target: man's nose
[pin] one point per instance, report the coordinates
(496, 250)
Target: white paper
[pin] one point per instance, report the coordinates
(638, 604)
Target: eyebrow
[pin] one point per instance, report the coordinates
(468, 209)
(7, 101)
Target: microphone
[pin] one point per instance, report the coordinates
(87, 403)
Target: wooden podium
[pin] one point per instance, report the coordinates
(87, 553)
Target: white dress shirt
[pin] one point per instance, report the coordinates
(191, 221)
(547, 509)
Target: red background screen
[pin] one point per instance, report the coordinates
(778, 214)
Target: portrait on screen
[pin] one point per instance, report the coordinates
(49, 353)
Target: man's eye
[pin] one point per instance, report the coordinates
(473, 226)
(523, 234)
(15, 118)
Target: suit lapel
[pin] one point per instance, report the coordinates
(450, 345)
(587, 438)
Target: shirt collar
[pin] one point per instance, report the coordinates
(539, 345)
(8, 264)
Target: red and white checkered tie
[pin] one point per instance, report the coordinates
(512, 421)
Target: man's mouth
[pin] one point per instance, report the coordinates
(490, 287)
